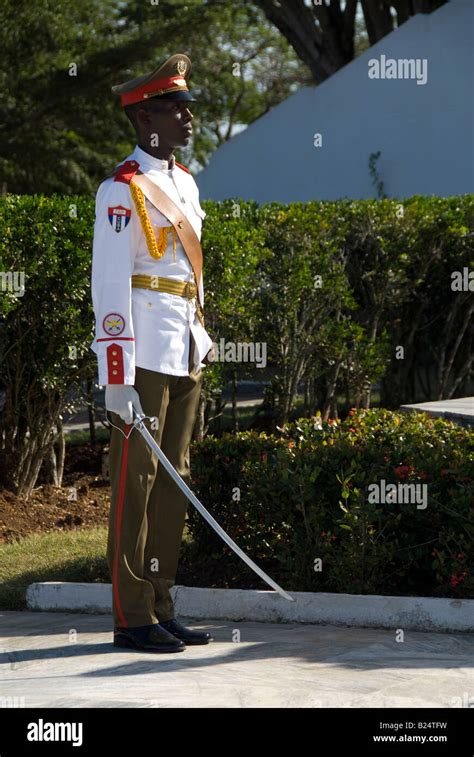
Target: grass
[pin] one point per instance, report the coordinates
(78, 555)
(77, 438)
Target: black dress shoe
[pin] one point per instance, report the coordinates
(185, 634)
(151, 638)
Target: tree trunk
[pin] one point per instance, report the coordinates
(323, 36)
(91, 413)
(235, 419)
(198, 432)
(61, 455)
(330, 401)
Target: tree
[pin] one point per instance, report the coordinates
(323, 33)
(62, 130)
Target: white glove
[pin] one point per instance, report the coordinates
(119, 399)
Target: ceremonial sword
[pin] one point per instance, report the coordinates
(139, 424)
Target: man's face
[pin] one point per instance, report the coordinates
(170, 119)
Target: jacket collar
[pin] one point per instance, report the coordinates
(150, 162)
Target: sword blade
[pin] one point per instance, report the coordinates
(139, 424)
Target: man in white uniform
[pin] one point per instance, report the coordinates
(151, 346)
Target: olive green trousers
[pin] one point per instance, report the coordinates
(148, 510)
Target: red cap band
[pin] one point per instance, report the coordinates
(155, 87)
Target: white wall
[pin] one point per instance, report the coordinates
(424, 132)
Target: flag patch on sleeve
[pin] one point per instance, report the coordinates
(119, 217)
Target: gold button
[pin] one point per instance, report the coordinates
(114, 362)
(114, 373)
(114, 352)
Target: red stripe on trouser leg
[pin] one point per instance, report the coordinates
(121, 495)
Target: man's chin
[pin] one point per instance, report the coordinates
(184, 140)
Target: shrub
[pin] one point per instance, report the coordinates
(385, 283)
(290, 499)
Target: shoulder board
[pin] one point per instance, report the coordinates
(184, 168)
(126, 171)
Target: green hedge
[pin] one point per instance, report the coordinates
(304, 495)
(334, 289)
(385, 271)
(46, 332)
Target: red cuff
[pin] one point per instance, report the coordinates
(115, 364)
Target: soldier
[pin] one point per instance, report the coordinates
(151, 347)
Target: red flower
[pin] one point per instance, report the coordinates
(333, 537)
(445, 472)
(457, 579)
(353, 430)
(352, 412)
(291, 443)
(401, 471)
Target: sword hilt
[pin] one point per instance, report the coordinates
(140, 417)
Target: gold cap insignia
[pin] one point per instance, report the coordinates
(181, 67)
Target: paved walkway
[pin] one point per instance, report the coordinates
(67, 660)
(460, 410)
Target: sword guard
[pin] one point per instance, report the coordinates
(139, 418)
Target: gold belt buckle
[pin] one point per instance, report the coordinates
(190, 290)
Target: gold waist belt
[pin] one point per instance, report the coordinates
(186, 289)
(171, 286)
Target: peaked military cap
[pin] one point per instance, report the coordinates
(166, 82)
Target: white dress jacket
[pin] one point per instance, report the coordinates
(142, 327)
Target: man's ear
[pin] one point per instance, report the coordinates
(143, 117)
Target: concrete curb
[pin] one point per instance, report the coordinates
(364, 611)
